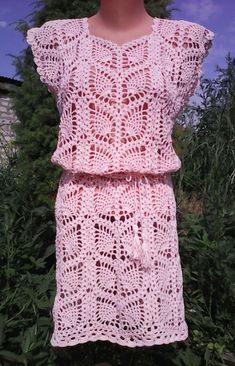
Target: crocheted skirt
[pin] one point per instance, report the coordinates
(118, 269)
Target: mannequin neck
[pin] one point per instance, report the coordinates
(122, 14)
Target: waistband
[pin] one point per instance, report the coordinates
(117, 175)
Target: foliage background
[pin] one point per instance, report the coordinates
(204, 189)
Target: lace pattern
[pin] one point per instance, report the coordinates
(118, 269)
(109, 286)
(118, 104)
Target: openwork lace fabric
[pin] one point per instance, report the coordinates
(118, 269)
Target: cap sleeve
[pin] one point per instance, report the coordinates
(46, 48)
(196, 42)
(207, 41)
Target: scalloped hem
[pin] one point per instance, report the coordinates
(158, 341)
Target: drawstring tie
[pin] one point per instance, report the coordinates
(140, 251)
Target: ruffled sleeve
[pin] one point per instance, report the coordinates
(45, 44)
(197, 40)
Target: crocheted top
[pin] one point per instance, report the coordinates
(118, 103)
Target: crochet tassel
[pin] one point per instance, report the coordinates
(145, 247)
(137, 249)
(140, 252)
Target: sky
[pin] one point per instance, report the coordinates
(216, 15)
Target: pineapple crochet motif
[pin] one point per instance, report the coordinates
(118, 269)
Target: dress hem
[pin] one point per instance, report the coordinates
(159, 341)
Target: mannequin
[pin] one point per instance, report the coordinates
(122, 20)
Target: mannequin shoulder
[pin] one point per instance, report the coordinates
(72, 26)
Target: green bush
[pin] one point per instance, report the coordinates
(206, 225)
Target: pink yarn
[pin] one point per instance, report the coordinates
(118, 269)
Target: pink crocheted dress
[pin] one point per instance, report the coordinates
(118, 269)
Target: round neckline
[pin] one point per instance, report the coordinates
(124, 44)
